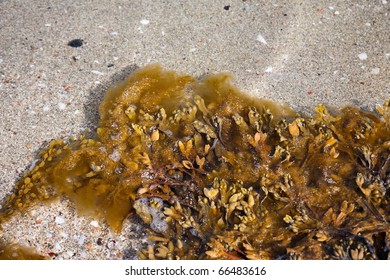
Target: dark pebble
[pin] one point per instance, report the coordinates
(75, 43)
(99, 241)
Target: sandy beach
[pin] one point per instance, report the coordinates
(58, 58)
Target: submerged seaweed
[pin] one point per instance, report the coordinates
(217, 174)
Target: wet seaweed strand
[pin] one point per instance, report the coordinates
(216, 174)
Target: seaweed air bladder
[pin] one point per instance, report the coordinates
(217, 174)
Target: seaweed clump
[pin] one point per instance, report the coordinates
(18, 252)
(216, 174)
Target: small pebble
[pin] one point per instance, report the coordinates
(94, 224)
(247, 8)
(261, 39)
(145, 21)
(41, 85)
(375, 71)
(362, 56)
(61, 106)
(57, 246)
(69, 254)
(111, 244)
(81, 240)
(97, 72)
(268, 69)
(115, 156)
(75, 43)
(59, 220)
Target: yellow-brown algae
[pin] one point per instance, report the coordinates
(217, 174)
(17, 252)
